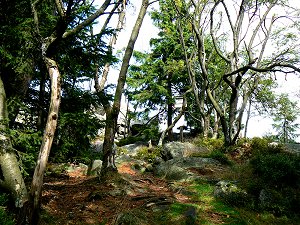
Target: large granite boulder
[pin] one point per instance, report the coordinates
(96, 167)
(171, 172)
(133, 149)
(97, 146)
(177, 168)
(181, 150)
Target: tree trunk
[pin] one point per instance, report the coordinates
(113, 112)
(48, 50)
(216, 125)
(41, 113)
(37, 182)
(169, 108)
(10, 174)
(100, 86)
(206, 126)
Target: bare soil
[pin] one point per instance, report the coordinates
(78, 199)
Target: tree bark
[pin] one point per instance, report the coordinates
(32, 210)
(99, 85)
(169, 107)
(216, 125)
(112, 112)
(37, 182)
(11, 176)
(41, 113)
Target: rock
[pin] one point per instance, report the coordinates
(83, 168)
(57, 170)
(117, 192)
(133, 149)
(96, 167)
(293, 148)
(268, 199)
(171, 172)
(195, 162)
(176, 169)
(122, 159)
(181, 149)
(77, 170)
(231, 193)
(190, 215)
(149, 167)
(97, 146)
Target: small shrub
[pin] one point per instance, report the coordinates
(277, 169)
(210, 143)
(128, 140)
(5, 218)
(262, 146)
(259, 143)
(148, 154)
(220, 156)
(133, 217)
(121, 151)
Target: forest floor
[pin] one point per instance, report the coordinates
(135, 198)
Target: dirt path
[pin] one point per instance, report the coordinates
(78, 199)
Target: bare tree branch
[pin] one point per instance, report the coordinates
(88, 21)
(214, 40)
(60, 8)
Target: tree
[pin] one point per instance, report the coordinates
(53, 24)
(16, 70)
(158, 77)
(48, 44)
(240, 41)
(12, 177)
(112, 111)
(285, 116)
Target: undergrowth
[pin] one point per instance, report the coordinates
(5, 217)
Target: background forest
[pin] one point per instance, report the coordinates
(213, 64)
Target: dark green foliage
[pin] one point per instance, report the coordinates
(129, 140)
(5, 218)
(264, 146)
(27, 143)
(275, 174)
(278, 169)
(75, 130)
(142, 132)
(148, 154)
(151, 132)
(4, 198)
(285, 115)
(220, 156)
(210, 143)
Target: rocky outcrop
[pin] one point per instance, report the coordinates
(132, 149)
(229, 192)
(181, 150)
(178, 168)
